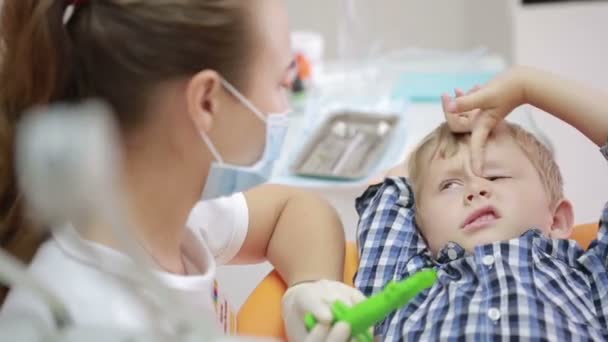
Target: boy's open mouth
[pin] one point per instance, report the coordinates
(481, 218)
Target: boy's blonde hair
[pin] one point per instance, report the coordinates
(443, 143)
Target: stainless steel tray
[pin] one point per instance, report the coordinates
(346, 146)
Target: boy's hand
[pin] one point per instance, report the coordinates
(483, 108)
(317, 298)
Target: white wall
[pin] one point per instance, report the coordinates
(394, 23)
(569, 39)
(489, 23)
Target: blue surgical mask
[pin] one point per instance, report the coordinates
(226, 179)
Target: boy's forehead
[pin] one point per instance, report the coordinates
(500, 146)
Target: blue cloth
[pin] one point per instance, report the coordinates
(428, 86)
(530, 288)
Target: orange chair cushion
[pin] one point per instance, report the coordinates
(260, 315)
(585, 233)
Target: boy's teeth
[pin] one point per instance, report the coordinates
(484, 218)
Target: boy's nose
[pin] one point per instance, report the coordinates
(477, 192)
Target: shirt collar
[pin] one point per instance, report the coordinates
(532, 238)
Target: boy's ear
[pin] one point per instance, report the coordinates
(563, 220)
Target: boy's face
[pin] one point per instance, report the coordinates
(508, 199)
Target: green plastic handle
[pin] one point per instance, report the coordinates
(364, 315)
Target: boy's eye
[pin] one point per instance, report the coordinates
(495, 178)
(449, 184)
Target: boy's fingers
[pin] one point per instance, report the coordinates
(479, 136)
(475, 100)
(445, 99)
(474, 89)
(458, 92)
(459, 123)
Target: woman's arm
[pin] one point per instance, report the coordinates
(299, 233)
(302, 236)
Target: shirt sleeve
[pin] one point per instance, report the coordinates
(222, 224)
(600, 244)
(387, 236)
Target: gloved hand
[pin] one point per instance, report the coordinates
(317, 298)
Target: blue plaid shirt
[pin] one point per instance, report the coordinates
(530, 288)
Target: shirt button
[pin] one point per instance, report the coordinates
(494, 314)
(452, 254)
(488, 260)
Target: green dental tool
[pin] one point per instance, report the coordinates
(362, 316)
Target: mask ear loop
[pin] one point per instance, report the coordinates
(232, 90)
(212, 148)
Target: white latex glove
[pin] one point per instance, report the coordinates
(317, 298)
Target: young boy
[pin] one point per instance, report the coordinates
(491, 218)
